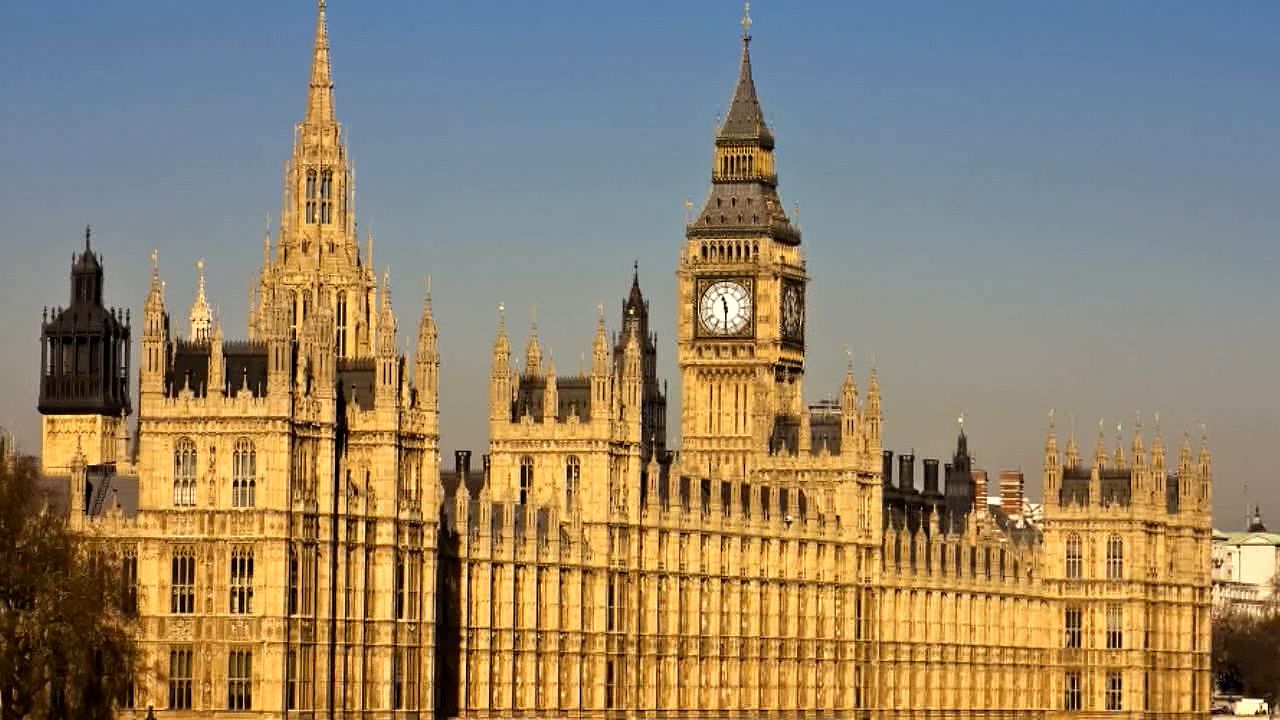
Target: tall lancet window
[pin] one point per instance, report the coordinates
(326, 197)
(243, 473)
(184, 473)
(311, 197)
(572, 473)
(526, 478)
(342, 324)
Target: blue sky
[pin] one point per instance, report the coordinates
(1013, 206)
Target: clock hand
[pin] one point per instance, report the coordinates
(725, 302)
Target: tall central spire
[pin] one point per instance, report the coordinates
(744, 180)
(745, 120)
(320, 93)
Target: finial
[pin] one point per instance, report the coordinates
(746, 21)
(600, 309)
(428, 285)
(1051, 423)
(961, 421)
(533, 317)
(502, 314)
(155, 263)
(200, 267)
(688, 209)
(848, 353)
(1157, 420)
(88, 231)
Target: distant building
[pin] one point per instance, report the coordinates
(1246, 568)
(1012, 489)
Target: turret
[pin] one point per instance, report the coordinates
(279, 344)
(600, 372)
(1158, 471)
(388, 382)
(1052, 464)
(1186, 479)
(1100, 450)
(849, 409)
(533, 352)
(1119, 461)
(550, 394)
(155, 336)
(873, 417)
(201, 316)
(426, 376)
(217, 365)
(1204, 474)
(632, 382)
(500, 376)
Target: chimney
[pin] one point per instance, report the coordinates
(1011, 492)
(907, 472)
(930, 476)
(979, 487)
(887, 468)
(462, 464)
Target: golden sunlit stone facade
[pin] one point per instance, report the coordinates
(277, 515)
(294, 550)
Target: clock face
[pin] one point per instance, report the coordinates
(792, 312)
(725, 308)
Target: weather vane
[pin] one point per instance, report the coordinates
(746, 19)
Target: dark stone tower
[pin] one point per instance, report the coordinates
(653, 414)
(84, 370)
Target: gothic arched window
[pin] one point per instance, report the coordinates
(526, 478)
(572, 473)
(311, 197)
(342, 324)
(1115, 558)
(184, 473)
(1075, 558)
(244, 469)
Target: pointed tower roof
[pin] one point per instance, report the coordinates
(744, 182)
(320, 92)
(635, 305)
(201, 316)
(745, 119)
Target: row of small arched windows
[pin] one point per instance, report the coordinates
(1075, 558)
(743, 164)
(729, 250)
(244, 471)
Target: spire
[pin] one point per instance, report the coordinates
(635, 306)
(745, 120)
(201, 316)
(532, 350)
(320, 92)
(1100, 447)
(1119, 460)
(1139, 444)
(1071, 458)
(1157, 449)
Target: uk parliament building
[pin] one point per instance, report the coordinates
(293, 549)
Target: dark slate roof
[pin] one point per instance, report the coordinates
(189, 368)
(105, 489)
(745, 120)
(356, 377)
(824, 429)
(246, 364)
(573, 392)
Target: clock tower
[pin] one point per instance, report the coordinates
(741, 301)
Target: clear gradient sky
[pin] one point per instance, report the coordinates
(1014, 206)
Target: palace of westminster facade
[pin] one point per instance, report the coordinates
(293, 549)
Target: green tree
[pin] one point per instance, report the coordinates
(66, 639)
(1246, 654)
